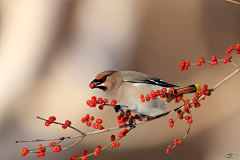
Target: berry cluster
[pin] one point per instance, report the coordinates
(50, 120)
(161, 93)
(97, 150)
(67, 123)
(184, 66)
(94, 101)
(74, 157)
(89, 121)
(84, 155)
(57, 149)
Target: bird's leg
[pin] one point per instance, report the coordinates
(117, 108)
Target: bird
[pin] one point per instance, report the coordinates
(126, 87)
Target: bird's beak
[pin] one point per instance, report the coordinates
(97, 84)
(94, 83)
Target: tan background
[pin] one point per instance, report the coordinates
(51, 50)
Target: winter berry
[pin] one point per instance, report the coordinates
(147, 99)
(171, 124)
(58, 147)
(170, 120)
(51, 119)
(187, 61)
(149, 117)
(113, 145)
(54, 149)
(91, 85)
(125, 119)
(38, 154)
(117, 144)
(40, 146)
(75, 156)
(25, 150)
(187, 117)
(181, 68)
(87, 116)
(182, 62)
(100, 127)
(88, 124)
(143, 100)
(197, 105)
(231, 47)
(91, 118)
(88, 102)
(64, 126)
(23, 154)
(230, 57)
(85, 152)
(68, 123)
(42, 154)
(201, 60)
(172, 89)
(84, 119)
(54, 144)
(227, 52)
(100, 107)
(105, 101)
(96, 153)
(168, 150)
(190, 121)
(114, 102)
(128, 113)
(180, 116)
(176, 144)
(99, 121)
(47, 123)
(164, 90)
(214, 58)
(94, 97)
(113, 138)
(199, 63)
(141, 96)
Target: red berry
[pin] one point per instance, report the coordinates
(95, 153)
(175, 140)
(25, 150)
(187, 117)
(88, 102)
(227, 52)
(214, 58)
(100, 127)
(114, 102)
(152, 93)
(23, 154)
(105, 101)
(172, 89)
(67, 122)
(113, 138)
(182, 62)
(238, 52)
(225, 61)
(64, 126)
(199, 63)
(215, 62)
(168, 150)
(99, 121)
(201, 60)
(91, 85)
(42, 154)
(100, 107)
(85, 152)
(94, 97)
(38, 154)
(40, 146)
(187, 61)
(171, 124)
(230, 57)
(54, 149)
(113, 145)
(212, 63)
(98, 148)
(170, 120)
(88, 124)
(164, 90)
(176, 144)
(190, 121)
(47, 123)
(197, 105)
(149, 117)
(231, 47)
(117, 144)
(181, 68)
(84, 119)
(84, 158)
(125, 119)
(58, 147)
(180, 116)
(128, 112)
(75, 156)
(148, 99)
(54, 144)
(143, 100)
(51, 119)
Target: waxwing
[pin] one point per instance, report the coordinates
(126, 87)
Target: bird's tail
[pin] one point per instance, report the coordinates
(188, 89)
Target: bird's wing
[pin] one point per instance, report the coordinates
(137, 77)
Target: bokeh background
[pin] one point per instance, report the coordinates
(51, 50)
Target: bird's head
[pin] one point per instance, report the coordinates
(103, 81)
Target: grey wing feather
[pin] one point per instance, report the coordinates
(137, 77)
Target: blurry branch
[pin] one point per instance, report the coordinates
(233, 1)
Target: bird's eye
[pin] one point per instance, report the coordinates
(104, 78)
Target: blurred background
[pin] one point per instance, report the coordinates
(51, 50)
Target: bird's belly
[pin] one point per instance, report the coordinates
(133, 102)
